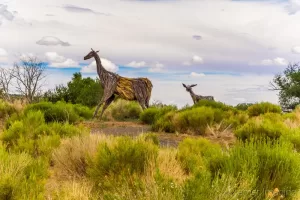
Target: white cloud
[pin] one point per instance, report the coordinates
(3, 54)
(135, 64)
(293, 6)
(194, 74)
(51, 41)
(296, 49)
(239, 99)
(5, 14)
(157, 67)
(186, 63)
(54, 57)
(68, 63)
(269, 62)
(107, 64)
(197, 59)
(280, 61)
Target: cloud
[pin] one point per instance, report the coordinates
(239, 99)
(197, 59)
(135, 64)
(194, 74)
(157, 67)
(77, 9)
(197, 37)
(51, 41)
(107, 64)
(186, 63)
(293, 6)
(54, 57)
(4, 13)
(68, 63)
(296, 49)
(3, 55)
(269, 62)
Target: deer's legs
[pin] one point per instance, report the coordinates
(97, 108)
(107, 103)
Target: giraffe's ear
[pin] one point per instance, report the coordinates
(97, 51)
(184, 85)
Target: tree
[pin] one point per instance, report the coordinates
(5, 81)
(85, 91)
(288, 85)
(29, 74)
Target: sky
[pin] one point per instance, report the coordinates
(230, 48)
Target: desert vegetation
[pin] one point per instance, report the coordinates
(48, 150)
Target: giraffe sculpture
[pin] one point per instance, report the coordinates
(132, 89)
(194, 96)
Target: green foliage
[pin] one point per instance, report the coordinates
(32, 135)
(196, 154)
(21, 176)
(243, 106)
(6, 109)
(262, 108)
(122, 158)
(124, 110)
(197, 119)
(85, 91)
(150, 115)
(288, 86)
(261, 128)
(251, 169)
(165, 123)
(61, 111)
(213, 104)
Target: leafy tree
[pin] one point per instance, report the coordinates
(288, 85)
(85, 91)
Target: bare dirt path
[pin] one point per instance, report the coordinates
(133, 129)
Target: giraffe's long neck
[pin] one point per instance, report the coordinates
(100, 69)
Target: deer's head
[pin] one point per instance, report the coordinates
(91, 54)
(188, 87)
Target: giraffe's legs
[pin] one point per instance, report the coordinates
(97, 108)
(107, 103)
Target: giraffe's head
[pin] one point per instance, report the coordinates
(188, 87)
(91, 54)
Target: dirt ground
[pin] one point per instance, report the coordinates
(134, 129)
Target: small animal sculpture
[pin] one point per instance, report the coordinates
(194, 96)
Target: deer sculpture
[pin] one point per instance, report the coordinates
(133, 89)
(194, 96)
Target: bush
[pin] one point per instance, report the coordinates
(123, 110)
(196, 120)
(165, 123)
(61, 112)
(21, 176)
(150, 115)
(258, 166)
(213, 104)
(196, 154)
(122, 157)
(261, 128)
(243, 106)
(32, 135)
(6, 109)
(262, 108)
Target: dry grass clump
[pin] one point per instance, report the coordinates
(70, 159)
(169, 166)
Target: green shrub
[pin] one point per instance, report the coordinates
(248, 171)
(243, 106)
(124, 156)
(261, 128)
(150, 115)
(213, 104)
(236, 120)
(165, 123)
(196, 154)
(60, 111)
(21, 176)
(124, 110)
(152, 137)
(262, 108)
(6, 109)
(32, 135)
(196, 120)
